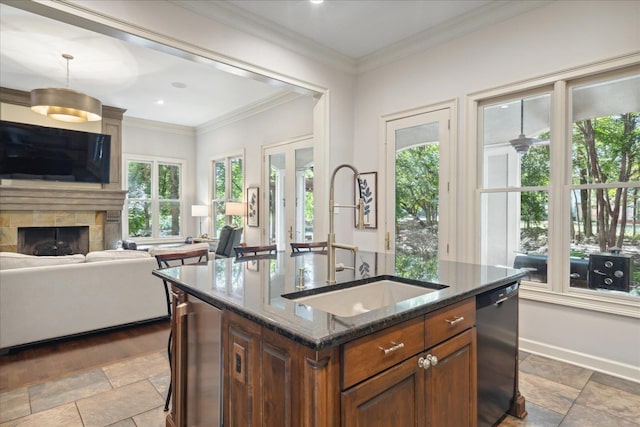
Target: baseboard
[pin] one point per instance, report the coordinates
(616, 369)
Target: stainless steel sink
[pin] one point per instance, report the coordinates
(362, 298)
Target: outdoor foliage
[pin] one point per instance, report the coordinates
(140, 197)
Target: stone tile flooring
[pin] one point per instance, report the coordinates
(131, 394)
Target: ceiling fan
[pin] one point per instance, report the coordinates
(522, 144)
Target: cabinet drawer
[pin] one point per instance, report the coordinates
(449, 321)
(369, 355)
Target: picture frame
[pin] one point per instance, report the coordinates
(253, 207)
(369, 188)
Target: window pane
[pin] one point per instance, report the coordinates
(140, 221)
(515, 231)
(168, 182)
(139, 180)
(606, 132)
(237, 184)
(515, 137)
(219, 171)
(169, 224)
(219, 218)
(597, 232)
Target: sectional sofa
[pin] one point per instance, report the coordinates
(46, 298)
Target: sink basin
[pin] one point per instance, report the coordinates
(363, 298)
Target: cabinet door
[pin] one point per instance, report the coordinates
(241, 344)
(394, 397)
(450, 384)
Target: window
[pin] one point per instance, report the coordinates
(559, 193)
(154, 202)
(228, 186)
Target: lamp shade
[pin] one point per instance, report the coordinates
(199, 210)
(66, 105)
(234, 208)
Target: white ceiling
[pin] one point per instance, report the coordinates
(136, 78)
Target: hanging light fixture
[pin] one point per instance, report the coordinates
(65, 104)
(522, 143)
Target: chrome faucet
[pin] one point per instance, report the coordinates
(331, 239)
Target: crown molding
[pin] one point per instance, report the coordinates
(470, 22)
(158, 126)
(249, 23)
(247, 111)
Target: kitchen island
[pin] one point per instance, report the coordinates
(412, 362)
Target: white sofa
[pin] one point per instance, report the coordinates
(44, 298)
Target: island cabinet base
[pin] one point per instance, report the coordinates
(270, 380)
(421, 372)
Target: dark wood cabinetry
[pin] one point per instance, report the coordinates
(437, 387)
(270, 380)
(378, 380)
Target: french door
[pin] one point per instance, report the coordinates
(418, 220)
(289, 199)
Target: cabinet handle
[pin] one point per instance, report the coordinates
(427, 361)
(456, 319)
(393, 348)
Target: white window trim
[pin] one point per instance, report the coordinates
(555, 291)
(155, 202)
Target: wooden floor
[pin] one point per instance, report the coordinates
(44, 362)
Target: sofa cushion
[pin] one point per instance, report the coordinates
(159, 250)
(12, 260)
(115, 254)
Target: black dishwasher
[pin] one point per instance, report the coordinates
(497, 329)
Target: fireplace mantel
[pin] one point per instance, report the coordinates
(18, 198)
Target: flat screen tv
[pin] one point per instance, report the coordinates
(51, 154)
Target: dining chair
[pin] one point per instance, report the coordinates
(309, 247)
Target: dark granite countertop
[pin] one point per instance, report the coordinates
(254, 289)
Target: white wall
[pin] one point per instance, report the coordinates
(249, 135)
(562, 35)
(148, 138)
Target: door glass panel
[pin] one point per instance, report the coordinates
(417, 177)
(276, 199)
(304, 195)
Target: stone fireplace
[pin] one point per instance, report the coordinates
(98, 207)
(97, 210)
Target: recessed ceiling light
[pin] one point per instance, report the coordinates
(159, 101)
(179, 85)
(316, 1)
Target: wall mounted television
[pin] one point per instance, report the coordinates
(31, 152)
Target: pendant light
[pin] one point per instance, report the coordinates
(65, 104)
(522, 143)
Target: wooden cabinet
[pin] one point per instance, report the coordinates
(434, 388)
(270, 380)
(420, 373)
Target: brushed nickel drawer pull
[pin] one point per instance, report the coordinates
(395, 347)
(456, 319)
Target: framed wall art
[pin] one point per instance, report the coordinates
(368, 188)
(253, 207)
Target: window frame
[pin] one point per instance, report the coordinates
(227, 159)
(155, 199)
(557, 290)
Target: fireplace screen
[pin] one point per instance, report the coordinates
(53, 241)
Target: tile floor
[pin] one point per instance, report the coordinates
(131, 394)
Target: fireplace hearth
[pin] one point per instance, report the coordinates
(53, 241)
